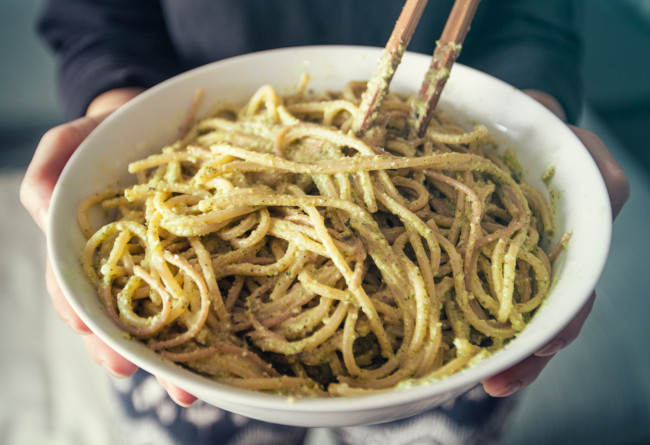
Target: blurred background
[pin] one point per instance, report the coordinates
(595, 392)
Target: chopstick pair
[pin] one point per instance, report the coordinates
(447, 51)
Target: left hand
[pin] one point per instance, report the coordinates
(51, 155)
(524, 373)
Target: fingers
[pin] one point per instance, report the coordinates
(61, 305)
(113, 363)
(513, 379)
(616, 181)
(52, 153)
(525, 372)
(119, 367)
(570, 332)
(178, 395)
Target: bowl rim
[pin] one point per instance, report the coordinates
(195, 382)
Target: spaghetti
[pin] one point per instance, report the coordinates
(272, 249)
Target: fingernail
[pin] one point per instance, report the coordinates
(183, 404)
(112, 372)
(78, 328)
(509, 390)
(551, 348)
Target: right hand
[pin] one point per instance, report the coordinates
(53, 151)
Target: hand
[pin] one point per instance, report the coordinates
(51, 155)
(525, 372)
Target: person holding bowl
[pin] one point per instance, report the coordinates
(109, 51)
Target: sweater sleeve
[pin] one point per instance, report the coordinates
(105, 44)
(531, 45)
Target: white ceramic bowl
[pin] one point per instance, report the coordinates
(540, 140)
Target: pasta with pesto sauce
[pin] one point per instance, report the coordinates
(272, 249)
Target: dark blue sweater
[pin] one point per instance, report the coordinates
(105, 44)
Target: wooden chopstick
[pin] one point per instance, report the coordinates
(447, 51)
(388, 63)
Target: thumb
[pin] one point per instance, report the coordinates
(52, 153)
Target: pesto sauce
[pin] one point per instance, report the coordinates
(548, 175)
(509, 157)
